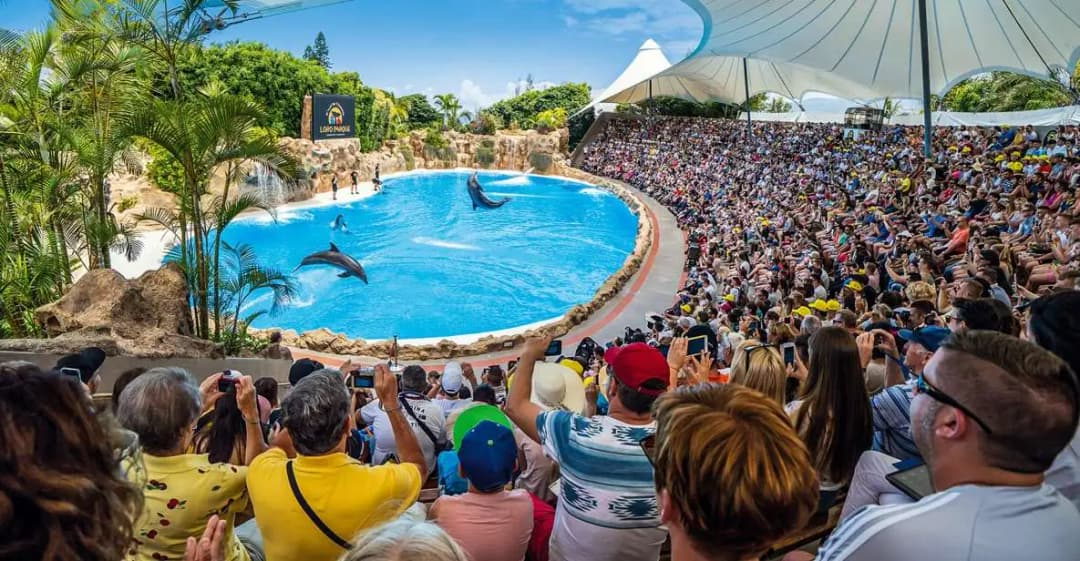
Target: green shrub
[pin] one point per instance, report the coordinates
(486, 123)
(434, 139)
(485, 155)
(410, 159)
(540, 160)
(551, 119)
(164, 171)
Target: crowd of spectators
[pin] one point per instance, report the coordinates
(862, 330)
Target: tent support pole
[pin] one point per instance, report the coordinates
(924, 44)
(746, 85)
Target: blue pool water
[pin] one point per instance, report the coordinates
(438, 268)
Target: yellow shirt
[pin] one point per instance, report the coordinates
(347, 495)
(181, 493)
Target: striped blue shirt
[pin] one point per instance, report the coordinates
(607, 499)
(891, 414)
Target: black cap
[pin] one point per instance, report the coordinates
(87, 362)
(301, 368)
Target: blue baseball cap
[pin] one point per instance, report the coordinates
(930, 337)
(487, 455)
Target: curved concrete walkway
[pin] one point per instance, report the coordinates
(651, 289)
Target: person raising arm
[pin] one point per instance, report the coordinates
(408, 448)
(518, 406)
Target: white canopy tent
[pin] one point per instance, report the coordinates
(722, 78)
(877, 43)
(898, 48)
(648, 61)
(1043, 117)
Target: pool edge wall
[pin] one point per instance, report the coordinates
(323, 340)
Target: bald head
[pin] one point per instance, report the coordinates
(1024, 394)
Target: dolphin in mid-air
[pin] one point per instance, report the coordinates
(339, 224)
(335, 258)
(479, 199)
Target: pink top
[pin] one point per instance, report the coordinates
(489, 527)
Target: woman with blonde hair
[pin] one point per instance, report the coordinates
(761, 367)
(708, 433)
(405, 539)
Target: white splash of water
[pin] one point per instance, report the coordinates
(268, 185)
(517, 195)
(283, 217)
(517, 181)
(444, 244)
(594, 192)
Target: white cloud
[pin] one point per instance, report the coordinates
(632, 22)
(616, 17)
(473, 96)
(570, 21)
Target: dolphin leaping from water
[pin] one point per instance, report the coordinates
(339, 224)
(476, 193)
(335, 258)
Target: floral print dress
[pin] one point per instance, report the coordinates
(181, 493)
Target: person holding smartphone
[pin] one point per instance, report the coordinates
(342, 496)
(592, 522)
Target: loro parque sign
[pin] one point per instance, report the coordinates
(333, 116)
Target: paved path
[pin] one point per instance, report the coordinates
(651, 289)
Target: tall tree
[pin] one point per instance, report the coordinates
(778, 105)
(450, 106)
(421, 113)
(319, 52)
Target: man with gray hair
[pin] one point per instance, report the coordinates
(810, 324)
(425, 418)
(161, 407)
(310, 507)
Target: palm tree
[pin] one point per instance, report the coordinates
(889, 107)
(449, 105)
(242, 276)
(99, 75)
(165, 30)
(204, 134)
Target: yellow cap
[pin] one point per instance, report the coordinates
(854, 285)
(833, 306)
(573, 365)
(801, 311)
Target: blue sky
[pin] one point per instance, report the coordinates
(476, 49)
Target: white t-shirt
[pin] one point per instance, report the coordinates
(964, 523)
(429, 413)
(607, 507)
(448, 406)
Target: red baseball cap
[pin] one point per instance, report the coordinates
(635, 364)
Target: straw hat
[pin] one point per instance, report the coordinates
(556, 386)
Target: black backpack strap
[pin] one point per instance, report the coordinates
(423, 426)
(311, 513)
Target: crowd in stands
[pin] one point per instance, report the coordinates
(862, 331)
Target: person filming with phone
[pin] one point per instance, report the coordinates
(424, 417)
(607, 506)
(181, 489)
(312, 506)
